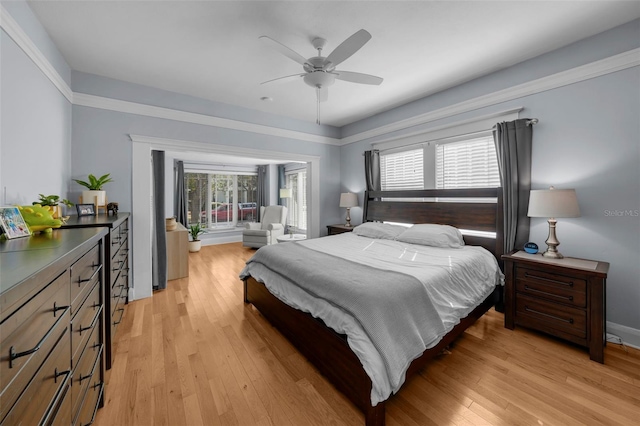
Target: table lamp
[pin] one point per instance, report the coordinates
(348, 200)
(553, 203)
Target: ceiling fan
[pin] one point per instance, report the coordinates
(320, 72)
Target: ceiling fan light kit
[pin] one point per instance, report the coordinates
(319, 71)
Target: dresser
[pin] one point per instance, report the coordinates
(177, 252)
(561, 297)
(51, 322)
(116, 270)
(338, 229)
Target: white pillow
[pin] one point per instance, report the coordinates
(429, 234)
(378, 230)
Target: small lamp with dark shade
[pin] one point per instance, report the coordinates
(348, 200)
(553, 203)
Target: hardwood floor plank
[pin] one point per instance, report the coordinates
(196, 354)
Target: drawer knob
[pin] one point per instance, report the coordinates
(57, 308)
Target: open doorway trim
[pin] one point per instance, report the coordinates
(142, 187)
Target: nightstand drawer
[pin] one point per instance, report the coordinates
(549, 316)
(553, 287)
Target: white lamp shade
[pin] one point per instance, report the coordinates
(348, 199)
(553, 203)
(285, 192)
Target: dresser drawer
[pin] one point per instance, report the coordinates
(61, 416)
(550, 316)
(116, 239)
(39, 398)
(88, 365)
(553, 287)
(84, 273)
(28, 335)
(90, 405)
(84, 322)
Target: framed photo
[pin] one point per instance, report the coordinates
(86, 210)
(12, 223)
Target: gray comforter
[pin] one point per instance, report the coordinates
(393, 308)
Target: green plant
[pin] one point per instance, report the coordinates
(52, 200)
(195, 231)
(95, 184)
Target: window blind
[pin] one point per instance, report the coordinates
(402, 170)
(470, 163)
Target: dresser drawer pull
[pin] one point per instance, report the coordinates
(93, 323)
(80, 280)
(13, 355)
(115, 241)
(558, 296)
(58, 308)
(121, 315)
(95, 410)
(83, 378)
(570, 320)
(57, 374)
(570, 283)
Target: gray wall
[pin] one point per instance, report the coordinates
(35, 135)
(588, 138)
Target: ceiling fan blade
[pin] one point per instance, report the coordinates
(349, 47)
(284, 50)
(283, 79)
(323, 94)
(356, 77)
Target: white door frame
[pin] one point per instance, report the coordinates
(142, 190)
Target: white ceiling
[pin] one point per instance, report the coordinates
(210, 49)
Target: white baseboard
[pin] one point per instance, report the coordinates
(630, 336)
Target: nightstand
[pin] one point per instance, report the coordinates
(561, 297)
(338, 229)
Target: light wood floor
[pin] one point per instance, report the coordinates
(195, 354)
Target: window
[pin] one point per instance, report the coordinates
(469, 163)
(221, 200)
(463, 162)
(402, 170)
(296, 180)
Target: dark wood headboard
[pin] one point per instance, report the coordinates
(442, 206)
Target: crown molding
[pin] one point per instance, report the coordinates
(588, 71)
(17, 34)
(117, 105)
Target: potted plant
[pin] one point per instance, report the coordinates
(195, 231)
(53, 201)
(94, 186)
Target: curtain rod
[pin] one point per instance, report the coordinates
(530, 122)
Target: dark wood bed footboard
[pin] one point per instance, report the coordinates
(329, 352)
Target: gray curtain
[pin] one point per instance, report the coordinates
(159, 238)
(262, 190)
(372, 170)
(180, 197)
(282, 182)
(513, 148)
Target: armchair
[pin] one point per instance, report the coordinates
(271, 226)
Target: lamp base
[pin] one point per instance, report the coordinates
(552, 242)
(348, 218)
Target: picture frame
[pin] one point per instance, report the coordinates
(12, 223)
(86, 210)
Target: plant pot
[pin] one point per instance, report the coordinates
(56, 212)
(89, 197)
(195, 246)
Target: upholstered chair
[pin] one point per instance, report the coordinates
(271, 226)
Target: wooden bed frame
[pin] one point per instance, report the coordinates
(327, 350)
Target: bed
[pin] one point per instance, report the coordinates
(330, 351)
